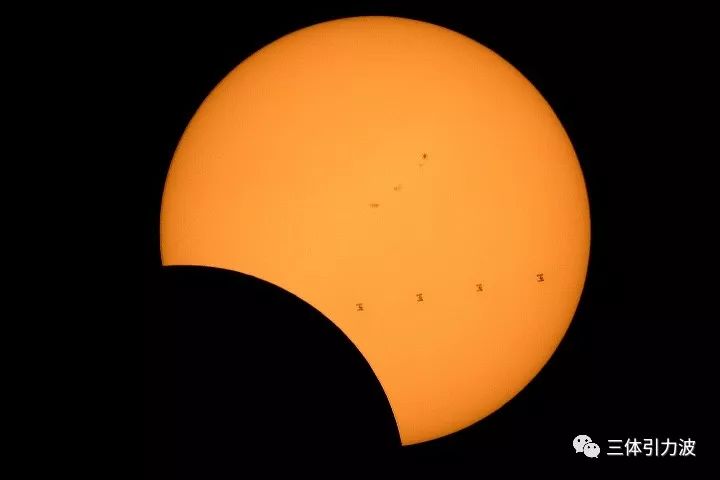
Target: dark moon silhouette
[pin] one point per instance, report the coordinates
(239, 370)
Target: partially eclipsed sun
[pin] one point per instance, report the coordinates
(409, 184)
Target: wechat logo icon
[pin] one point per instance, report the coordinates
(584, 444)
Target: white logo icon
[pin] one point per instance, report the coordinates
(591, 450)
(580, 442)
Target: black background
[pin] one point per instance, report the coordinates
(628, 88)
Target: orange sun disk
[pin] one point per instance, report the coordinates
(408, 183)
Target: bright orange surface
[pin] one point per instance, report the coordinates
(304, 167)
